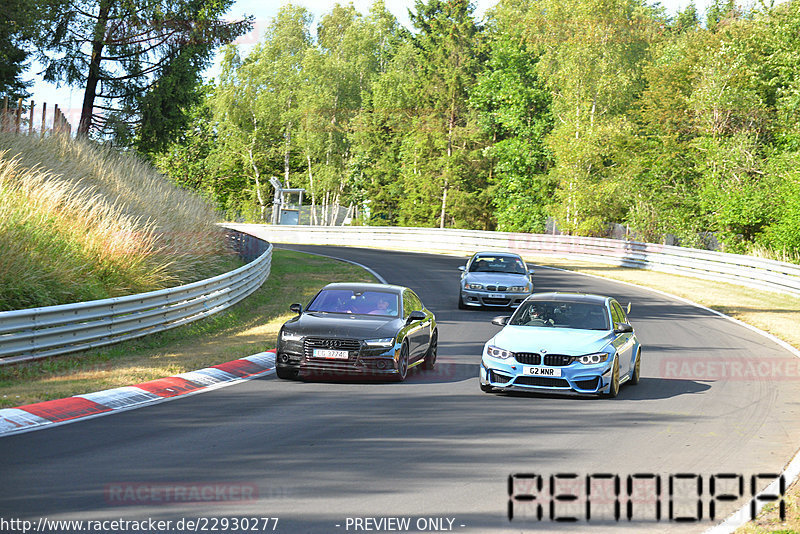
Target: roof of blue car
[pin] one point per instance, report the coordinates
(568, 297)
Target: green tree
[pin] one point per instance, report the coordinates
(592, 63)
(118, 49)
(733, 125)
(515, 111)
(19, 25)
(339, 74)
(777, 37)
(720, 12)
(164, 110)
(441, 155)
(662, 165)
(255, 102)
(377, 130)
(195, 160)
(687, 20)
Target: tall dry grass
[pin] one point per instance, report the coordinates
(760, 251)
(81, 222)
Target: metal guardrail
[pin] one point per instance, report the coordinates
(37, 333)
(734, 268)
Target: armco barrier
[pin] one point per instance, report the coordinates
(38, 333)
(734, 268)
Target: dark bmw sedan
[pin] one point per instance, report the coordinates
(372, 330)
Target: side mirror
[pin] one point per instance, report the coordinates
(530, 272)
(501, 320)
(629, 308)
(416, 315)
(462, 268)
(297, 308)
(623, 328)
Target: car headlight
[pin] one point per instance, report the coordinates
(589, 359)
(384, 342)
(473, 286)
(518, 289)
(288, 336)
(497, 352)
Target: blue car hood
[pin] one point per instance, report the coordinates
(568, 341)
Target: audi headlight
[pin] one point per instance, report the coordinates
(590, 359)
(473, 286)
(384, 342)
(288, 336)
(497, 352)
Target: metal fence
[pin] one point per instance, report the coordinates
(734, 268)
(38, 333)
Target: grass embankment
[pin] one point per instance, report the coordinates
(80, 222)
(249, 327)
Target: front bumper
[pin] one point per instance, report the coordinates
(365, 362)
(575, 378)
(497, 299)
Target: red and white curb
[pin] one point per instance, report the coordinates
(58, 412)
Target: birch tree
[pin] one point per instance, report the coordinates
(592, 60)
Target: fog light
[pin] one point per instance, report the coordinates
(381, 364)
(284, 358)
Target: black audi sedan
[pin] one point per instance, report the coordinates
(376, 331)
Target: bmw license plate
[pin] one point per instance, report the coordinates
(334, 354)
(496, 296)
(541, 371)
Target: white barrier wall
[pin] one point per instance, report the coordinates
(743, 270)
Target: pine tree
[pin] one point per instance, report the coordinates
(119, 49)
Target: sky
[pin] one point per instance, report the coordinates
(70, 99)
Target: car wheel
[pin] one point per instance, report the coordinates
(286, 373)
(636, 375)
(402, 364)
(461, 305)
(613, 389)
(430, 355)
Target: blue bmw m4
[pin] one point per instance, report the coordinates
(563, 342)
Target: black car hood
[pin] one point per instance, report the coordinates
(344, 326)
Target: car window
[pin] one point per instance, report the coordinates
(497, 264)
(416, 302)
(349, 301)
(617, 314)
(560, 314)
(411, 302)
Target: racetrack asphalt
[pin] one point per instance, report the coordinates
(314, 454)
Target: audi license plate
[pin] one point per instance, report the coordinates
(541, 371)
(334, 354)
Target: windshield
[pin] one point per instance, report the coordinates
(559, 314)
(350, 301)
(497, 264)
